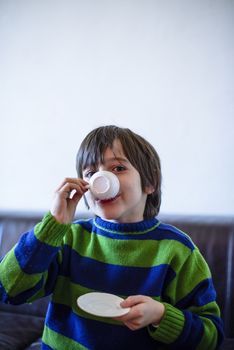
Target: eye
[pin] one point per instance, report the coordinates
(88, 174)
(119, 168)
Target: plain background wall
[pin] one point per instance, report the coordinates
(162, 68)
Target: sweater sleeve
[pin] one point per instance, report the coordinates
(29, 270)
(192, 316)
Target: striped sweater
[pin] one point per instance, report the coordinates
(148, 258)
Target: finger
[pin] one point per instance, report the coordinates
(70, 180)
(68, 188)
(133, 300)
(133, 314)
(75, 196)
(132, 325)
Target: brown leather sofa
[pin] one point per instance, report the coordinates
(21, 326)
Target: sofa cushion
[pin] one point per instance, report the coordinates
(228, 344)
(18, 331)
(35, 345)
(37, 308)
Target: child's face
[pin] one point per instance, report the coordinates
(129, 204)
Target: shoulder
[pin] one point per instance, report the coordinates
(83, 224)
(182, 250)
(171, 233)
(78, 230)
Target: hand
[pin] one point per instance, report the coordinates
(64, 204)
(144, 311)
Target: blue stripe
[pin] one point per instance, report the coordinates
(202, 294)
(174, 233)
(115, 279)
(3, 294)
(133, 227)
(19, 298)
(219, 325)
(22, 297)
(192, 333)
(95, 334)
(42, 253)
(86, 224)
(45, 347)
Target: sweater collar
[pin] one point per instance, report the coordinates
(135, 227)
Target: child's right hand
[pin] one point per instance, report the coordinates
(143, 311)
(64, 204)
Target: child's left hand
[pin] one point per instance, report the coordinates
(144, 311)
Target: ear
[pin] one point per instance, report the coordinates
(149, 189)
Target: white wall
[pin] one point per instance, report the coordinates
(162, 68)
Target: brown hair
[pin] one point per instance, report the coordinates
(138, 151)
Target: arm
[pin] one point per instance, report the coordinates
(29, 270)
(190, 319)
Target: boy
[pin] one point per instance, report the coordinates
(124, 250)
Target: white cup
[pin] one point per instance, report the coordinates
(104, 185)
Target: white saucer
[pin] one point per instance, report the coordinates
(102, 304)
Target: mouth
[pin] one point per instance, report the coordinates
(106, 201)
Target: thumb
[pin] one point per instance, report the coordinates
(132, 300)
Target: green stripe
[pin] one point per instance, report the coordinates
(186, 279)
(66, 293)
(13, 279)
(210, 337)
(136, 253)
(50, 231)
(60, 342)
(211, 309)
(41, 293)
